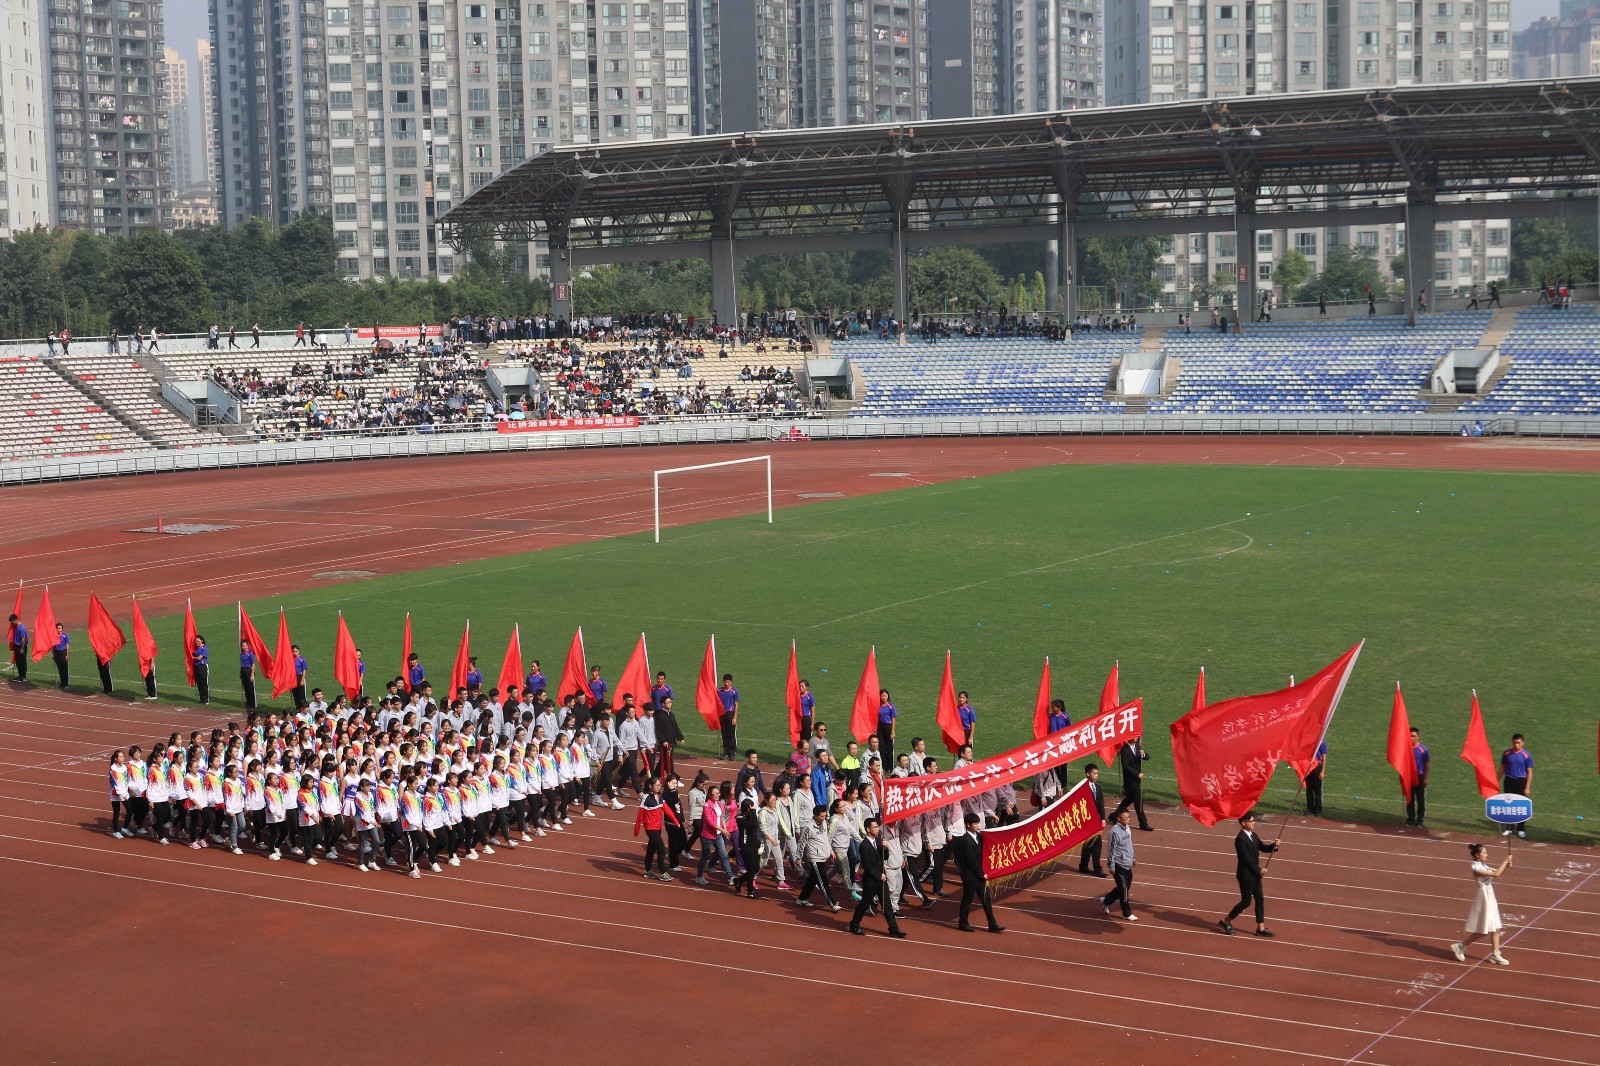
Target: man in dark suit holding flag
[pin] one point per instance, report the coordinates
(1247, 848)
(1132, 758)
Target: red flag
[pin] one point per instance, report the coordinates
(791, 695)
(16, 609)
(949, 718)
(105, 636)
(248, 634)
(1199, 692)
(44, 627)
(405, 655)
(574, 670)
(511, 668)
(144, 642)
(190, 633)
(1224, 753)
(1476, 753)
(635, 679)
(282, 673)
(346, 664)
(864, 713)
(705, 690)
(1108, 693)
(1401, 756)
(458, 671)
(1041, 706)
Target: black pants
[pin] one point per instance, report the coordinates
(816, 879)
(1250, 891)
(105, 677)
(805, 729)
(974, 890)
(629, 775)
(60, 658)
(872, 895)
(299, 693)
(941, 855)
(202, 681)
(1314, 791)
(1516, 786)
(730, 738)
(655, 852)
(1417, 805)
(19, 658)
(886, 746)
(150, 684)
(1089, 857)
(677, 844)
(247, 682)
(1122, 890)
(1132, 796)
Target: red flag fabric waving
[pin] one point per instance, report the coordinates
(105, 636)
(16, 609)
(705, 690)
(282, 673)
(864, 712)
(511, 667)
(458, 670)
(44, 627)
(635, 679)
(249, 634)
(144, 641)
(190, 634)
(346, 664)
(405, 655)
(949, 718)
(1477, 754)
(1199, 691)
(1041, 706)
(1224, 753)
(791, 695)
(574, 670)
(1400, 754)
(1108, 692)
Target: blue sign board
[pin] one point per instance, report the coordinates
(1508, 808)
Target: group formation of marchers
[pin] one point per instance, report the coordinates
(406, 783)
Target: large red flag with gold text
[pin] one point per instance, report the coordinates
(1477, 754)
(864, 712)
(1224, 753)
(105, 636)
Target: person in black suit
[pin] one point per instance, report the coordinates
(1132, 758)
(1248, 847)
(968, 849)
(872, 882)
(1089, 857)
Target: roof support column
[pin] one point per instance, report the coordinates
(724, 258)
(1244, 239)
(1421, 215)
(1061, 253)
(899, 195)
(559, 241)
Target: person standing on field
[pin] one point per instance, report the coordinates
(728, 696)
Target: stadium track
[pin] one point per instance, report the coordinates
(561, 947)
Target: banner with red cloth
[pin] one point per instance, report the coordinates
(791, 694)
(1045, 835)
(556, 425)
(144, 641)
(635, 679)
(1225, 753)
(105, 636)
(393, 332)
(864, 711)
(346, 663)
(190, 634)
(44, 627)
(949, 715)
(705, 689)
(1477, 754)
(907, 796)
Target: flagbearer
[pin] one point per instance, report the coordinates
(1132, 758)
(1417, 805)
(58, 652)
(199, 660)
(19, 647)
(1247, 848)
(247, 675)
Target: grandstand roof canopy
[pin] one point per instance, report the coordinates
(991, 176)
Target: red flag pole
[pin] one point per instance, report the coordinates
(1333, 709)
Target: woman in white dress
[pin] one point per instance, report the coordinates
(1484, 917)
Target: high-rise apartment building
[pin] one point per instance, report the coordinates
(177, 97)
(743, 65)
(270, 91)
(998, 57)
(861, 61)
(1160, 51)
(207, 149)
(1564, 47)
(107, 109)
(26, 196)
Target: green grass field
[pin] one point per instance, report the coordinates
(1457, 580)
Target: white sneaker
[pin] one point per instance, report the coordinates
(361, 867)
(274, 856)
(511, 844)
(1459, 951)
(1523, 834)
(311, 862)
(588, 814)
(557, 828)
(487, 850)
(1132, 917)
(117, 835)
(238, 851)
(526, 839)
(165, 841)
(566, 821)
(540, 832)
(616, 806)
(1505, 832)
(390, 863)
(1499, 959)
(296, 851)
(415, 872)
(472, 854)
(1105, 908)
(454, 861)
(436, 868)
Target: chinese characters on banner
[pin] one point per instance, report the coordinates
(907, 796)
(1053, 831)
(552, 425)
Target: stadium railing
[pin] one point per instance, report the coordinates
(469, 441)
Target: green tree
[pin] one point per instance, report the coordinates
(1347, 273)
(32, 299)
(1292, 272)
(305, 251)
(157, 281)
(1125, 268)
(1549, 247)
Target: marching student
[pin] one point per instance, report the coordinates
(138, 807)
(272, 793)
(308, 799)
(160, 799)
(120, 814)
(816, 849)
(368, 843)
(411, 824)
(433, 825)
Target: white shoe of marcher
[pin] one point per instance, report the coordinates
(1459, 951)
(1499, 959)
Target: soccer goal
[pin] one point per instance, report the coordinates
(712, 466)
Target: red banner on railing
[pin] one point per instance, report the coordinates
(1057, 829)
(552, 425)
(906, 796)
(394, 332)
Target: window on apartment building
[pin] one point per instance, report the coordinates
(1161, 14)
(338, 71)
(1305, 14)
(477, 99)
(1264, 243)
(1305, 243)
(344, 157)
(1227, 11)
(1497, 265)
(1442, 240)
(1495, 238)
(1305, 44)
(338, 16)
(1227, 245)
(406, 213)
(397, 16)
(1367, 238)
(1366, 13)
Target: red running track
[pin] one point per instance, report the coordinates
(546, 943)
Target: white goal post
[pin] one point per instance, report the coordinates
(712, 466)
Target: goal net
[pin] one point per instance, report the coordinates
(678, 470)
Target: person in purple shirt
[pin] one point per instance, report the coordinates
(886, 716)
(968, 715)
(661, 691)
(247, 674)
(58, 652)
(474, 675)
(299, 692)
(1417, 805)
(415, 674)
(200, 660)
(19, 647)
(597, 688)
(536, 680)
(1516, 768)
(361, 674)
(728, 696)
(808, 709)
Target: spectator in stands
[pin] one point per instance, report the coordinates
(213, 337)
(255, 335)
(155, 340)
(1494, 294)
(1472, 298)
(1372, 301)
(50, 342)
(233, 336)
(1322, 305)
(299, 335)
(1422, 300)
